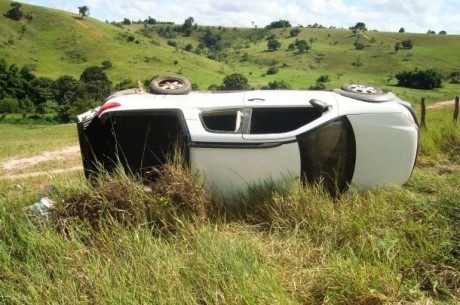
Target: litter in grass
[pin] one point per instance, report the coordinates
(42, 207)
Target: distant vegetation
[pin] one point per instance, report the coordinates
(428, 79)
(45, 79)
(22, 91)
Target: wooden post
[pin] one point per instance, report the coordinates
(456, 109)
(422, 119)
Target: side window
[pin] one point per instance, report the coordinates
(228, 121)
(279, 120)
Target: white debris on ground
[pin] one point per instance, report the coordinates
(41, 208)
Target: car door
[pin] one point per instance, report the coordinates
(311, 140)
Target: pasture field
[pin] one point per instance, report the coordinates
(112, 242)
(57, 43)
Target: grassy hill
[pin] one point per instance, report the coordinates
(61, 43)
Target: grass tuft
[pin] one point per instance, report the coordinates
(122, 198)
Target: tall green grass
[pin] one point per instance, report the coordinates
(116, 241)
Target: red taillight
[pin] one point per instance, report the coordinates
(106, 106)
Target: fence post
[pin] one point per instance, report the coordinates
(422, 119)
(456, 109)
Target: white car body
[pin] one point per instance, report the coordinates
(237, 139)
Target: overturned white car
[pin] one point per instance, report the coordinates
(356, 135)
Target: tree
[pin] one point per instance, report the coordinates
(295, 32)
(302, 45)
(67, 89)
(402, 30)
(235, 81)
(187, 26)
(273, 44)
(15, 12)
(95, 82)
(41, 90)
(83, 11)
(9, 105)
(211, 39)
(126, 21)
(278, 24)
(150, 20)
(360, 26)
(442, 33)
(407, 44)
(428, 79)
(431, 32)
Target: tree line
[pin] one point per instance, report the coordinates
(21, 91)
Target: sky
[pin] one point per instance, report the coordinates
(415, 16)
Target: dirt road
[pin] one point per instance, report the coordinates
(45, 163)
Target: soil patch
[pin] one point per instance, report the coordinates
(12, 165)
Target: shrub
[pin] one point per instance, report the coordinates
(172, 43)
(407, 44)
(359, 46)
(272, 70)
(273, 44)
(189, 47)
(428, 79)
(295, 32)
(119, 197)
(235, 81)
(277, 85)
(318, 86)
(9, 105)
(323, 79)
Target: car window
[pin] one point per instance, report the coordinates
(280, 120)
(228, 121)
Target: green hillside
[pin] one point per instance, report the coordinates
(61, 43)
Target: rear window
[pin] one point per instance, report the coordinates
(279, 120)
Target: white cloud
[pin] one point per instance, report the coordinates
(382, 15)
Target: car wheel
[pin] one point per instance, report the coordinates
(174, 85)
(362, 89)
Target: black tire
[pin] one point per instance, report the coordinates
(172, 85)
(363, 89)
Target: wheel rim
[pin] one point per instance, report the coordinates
(170, 84)
(360, 88)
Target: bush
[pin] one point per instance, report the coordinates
(318, 86)
(189, 47)
(323, 79)
(273, 44)
(9, 105)
(295, 32)
(277, 85)
(359, 46)
(124, 199)
(407, 44)
(172, 43)
(235, 81)
(272, 70)
(428, 79)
